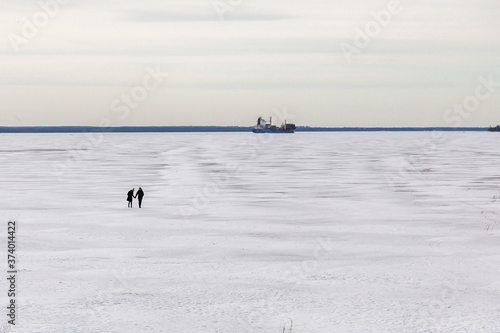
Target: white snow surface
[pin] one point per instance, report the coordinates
(239, 232)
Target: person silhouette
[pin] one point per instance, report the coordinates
(130, 195)
(139, 195)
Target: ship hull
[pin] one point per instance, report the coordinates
(267, 130)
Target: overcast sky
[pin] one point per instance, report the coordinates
(230, 61)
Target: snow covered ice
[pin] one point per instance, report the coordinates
(339, 232)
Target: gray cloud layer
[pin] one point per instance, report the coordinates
(229, 64)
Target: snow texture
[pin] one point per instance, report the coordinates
(339, 232)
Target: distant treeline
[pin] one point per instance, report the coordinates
(161, 129)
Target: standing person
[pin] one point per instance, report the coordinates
(139, 195)
(130, 195)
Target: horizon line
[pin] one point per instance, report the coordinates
(205, 128)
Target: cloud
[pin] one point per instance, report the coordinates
(260, 53)
(167, 16)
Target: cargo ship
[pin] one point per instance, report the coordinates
(263, 127)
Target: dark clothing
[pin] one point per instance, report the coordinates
(130, 195)
(139, 195)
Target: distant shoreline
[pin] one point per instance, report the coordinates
(190, 129)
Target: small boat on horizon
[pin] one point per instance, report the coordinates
(494, 129)
(263, 127)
